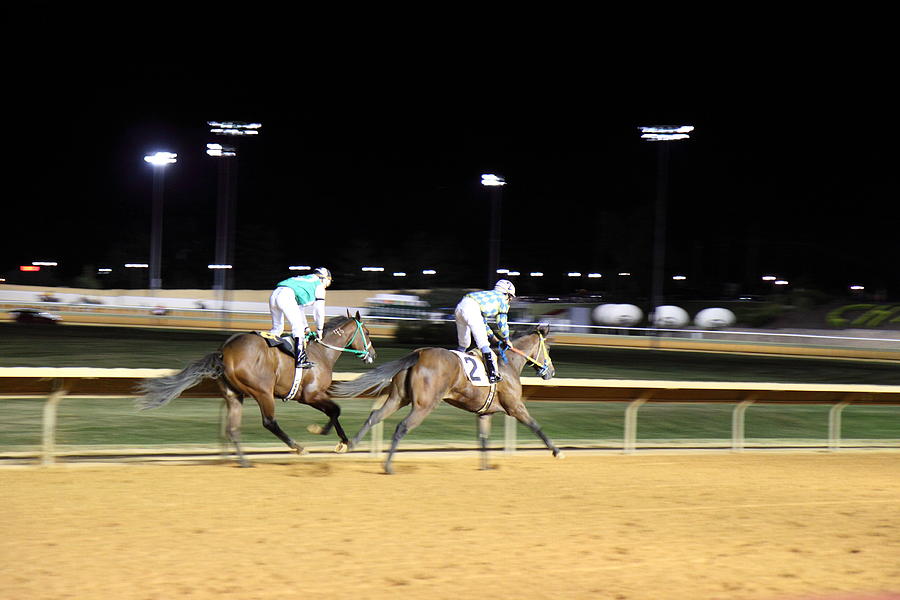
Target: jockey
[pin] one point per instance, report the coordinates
(472, 314)
(288, 300)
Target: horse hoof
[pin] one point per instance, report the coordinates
(341, 448)
(315, 429)
(559, 455)
(301, 451)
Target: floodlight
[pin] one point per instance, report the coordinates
(161, 159)
(233, 128)
(491, 180)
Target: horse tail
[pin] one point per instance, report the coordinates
(374, 382)
(162, 390)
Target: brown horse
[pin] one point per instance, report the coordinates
(247, 366)
(428, 375)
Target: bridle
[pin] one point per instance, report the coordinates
(360, 331)
(542, 368)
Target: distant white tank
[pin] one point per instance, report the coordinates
(622, 315)
(669, 317)
(714, 318)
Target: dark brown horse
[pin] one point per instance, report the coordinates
(247, 366)
(428, 375)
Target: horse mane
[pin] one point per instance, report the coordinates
(335, 322)
(526, 332)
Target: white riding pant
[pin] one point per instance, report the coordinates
(283, 303)
(470, 324)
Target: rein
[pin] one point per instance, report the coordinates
(362, 354)
(541, 367)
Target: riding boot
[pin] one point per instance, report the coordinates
(491, 368)
(302, 360)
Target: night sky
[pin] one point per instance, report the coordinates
(375, 159)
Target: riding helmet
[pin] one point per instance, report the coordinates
(505, 286)
(323, 274)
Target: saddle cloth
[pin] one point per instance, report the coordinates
(473, 366)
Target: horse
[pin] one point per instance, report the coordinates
(246, 365)
(426, 376)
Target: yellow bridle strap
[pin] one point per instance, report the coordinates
(543, 351)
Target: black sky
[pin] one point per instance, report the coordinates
(371, 153)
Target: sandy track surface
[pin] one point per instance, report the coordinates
(655, 526)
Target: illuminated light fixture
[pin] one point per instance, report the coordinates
(553, 299)
(536, 274)
(399, 274)
(594, 275)
(769, 278)
(299, 268)
(104, 270)
(220, 150)
(218, 266)
(233, 128)
(666, 133)
(679, 277)
(161, 159)
(491, 180)
(429, 272)
(136, 265)
(29, 268)
(857, 288)
(514, 273)
(373, 269)
(781, 282)
(43, 263)
(573, 274)
(624, 274)
(502, 271)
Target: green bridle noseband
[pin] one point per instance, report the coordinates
(367, 344)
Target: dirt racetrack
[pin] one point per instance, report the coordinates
(654, 526)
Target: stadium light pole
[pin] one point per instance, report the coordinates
(159, 161)
(663, 135)
(495, 184)
(227, 156)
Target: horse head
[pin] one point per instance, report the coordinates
(350, 335)
(542, 364)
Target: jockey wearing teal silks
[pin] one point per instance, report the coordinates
(288, 300)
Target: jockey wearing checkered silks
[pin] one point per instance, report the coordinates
(473, 314)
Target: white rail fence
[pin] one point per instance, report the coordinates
(52, 385)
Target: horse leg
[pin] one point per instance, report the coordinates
(333, 411)
(234, 402)
(484, 435)
(521, 414)
(267, 408)
(412, 420)
(393, 403)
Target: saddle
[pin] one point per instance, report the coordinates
(286, 343)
